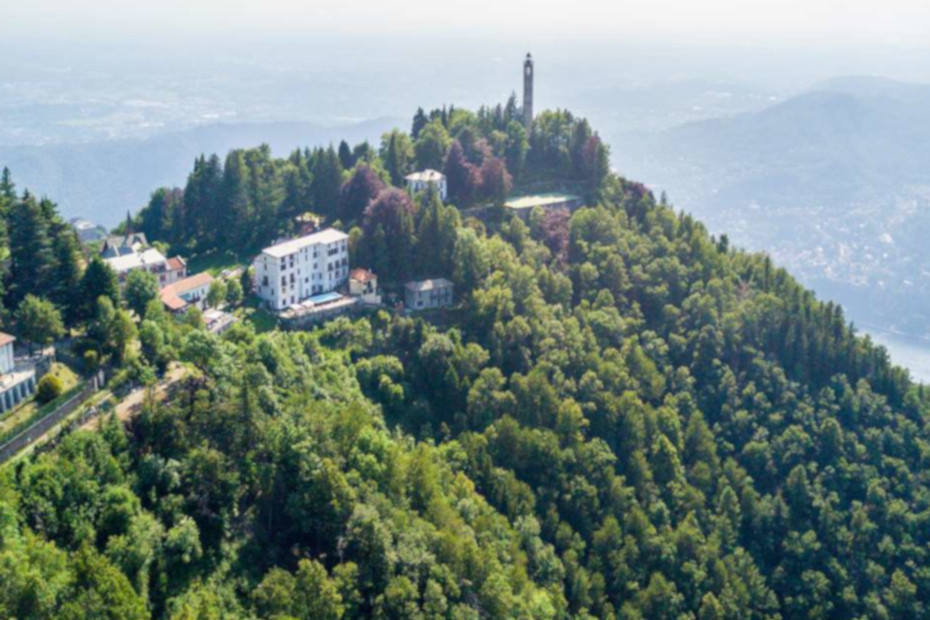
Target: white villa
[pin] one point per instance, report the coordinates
(16, 382)
(291, 272)
(419, 181)
(183, 294)
(125, 253)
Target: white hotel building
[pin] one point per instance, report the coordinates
(16, 382)
(291, 272)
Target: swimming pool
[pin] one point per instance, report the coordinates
(324, 298)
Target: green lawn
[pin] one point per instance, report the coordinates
(29, 408)
(260, 318)
(215, 262)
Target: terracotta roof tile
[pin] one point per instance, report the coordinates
(362, 275)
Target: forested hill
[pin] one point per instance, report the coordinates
(625, 418)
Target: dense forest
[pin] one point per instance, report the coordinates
(247, 199)
(624, 417)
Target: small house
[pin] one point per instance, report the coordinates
(420, 181)
(192, 291)
(363, 283)
(424, 294)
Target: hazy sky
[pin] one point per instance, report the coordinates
(904, 22)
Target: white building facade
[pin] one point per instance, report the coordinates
(291, 272)
(425, 294)
(16, 382)
(420, 181)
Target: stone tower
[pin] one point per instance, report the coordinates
(528, 92)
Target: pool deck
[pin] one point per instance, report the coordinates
(548, 199)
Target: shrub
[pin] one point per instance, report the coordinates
(49, 389)
(91, 361)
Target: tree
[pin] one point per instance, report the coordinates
(155, 219)
(49, 388)
(99, 280)
(38, 321)
(397, 154)
(419, 122)
(360, 189)
(153, 344)
(516, 147)
(31, 257)
(217, 293)
(327, 180)
(298, 181)
(233, 292)
(436, 234)
(141, 288)
(496, 181)
(388, 234)
(462, 177)
(316, 596)
(595, 166)
(471, 260)
(201, 203)
(431, 146)
(345, 155)
(112, 329)
(245, 281)
(66, 271)
(237, 225)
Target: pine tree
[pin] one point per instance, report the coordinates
(327, 179)
(7, 187)
(66, 272)
(397, 155)
(236, 209)
(30, 250)
(345, 155)
(419, 122)
(99, 280)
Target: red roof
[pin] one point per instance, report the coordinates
(362, 275)
(175, 263)
(6, 339)
(170, 295)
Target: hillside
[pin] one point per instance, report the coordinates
(622, 417)
(831, 183)
(103, 180)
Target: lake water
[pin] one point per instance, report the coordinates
(912, 353)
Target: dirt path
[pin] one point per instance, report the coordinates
(131, 405)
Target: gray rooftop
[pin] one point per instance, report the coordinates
(427, 285)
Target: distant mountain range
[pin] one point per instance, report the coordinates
(834, 183)
(102, 180)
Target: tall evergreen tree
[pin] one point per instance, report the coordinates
(397, 155)
(99, 280)
(419, 122)
(436, 234)
(236, 212)
(298, 182)
(65, 275)
(327, 180)
(345, 155)
(266, 194)
(30, 251)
